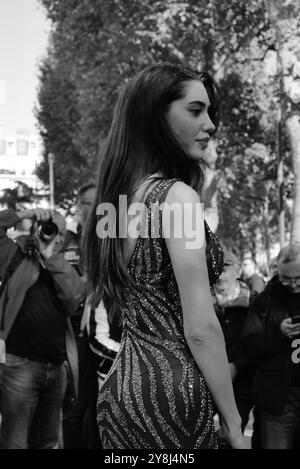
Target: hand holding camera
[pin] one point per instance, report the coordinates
(42, 234)
(46, 235)
(40, 214)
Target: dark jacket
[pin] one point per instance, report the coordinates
(72, 249)
(264, 343)
(72, 254)
(68, 286)
(232, 318)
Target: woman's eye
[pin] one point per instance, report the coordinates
(195, 112)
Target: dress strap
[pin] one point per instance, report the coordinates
(159, 191)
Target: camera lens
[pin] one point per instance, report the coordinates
(48, 230)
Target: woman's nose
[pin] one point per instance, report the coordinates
(208, 125)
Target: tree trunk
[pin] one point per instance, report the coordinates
(284, 17)
(293, 125)
(209, 192)
(266, 227)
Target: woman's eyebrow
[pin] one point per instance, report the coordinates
(199, 103)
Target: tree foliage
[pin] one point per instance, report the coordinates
(97, 45)
(285, 19)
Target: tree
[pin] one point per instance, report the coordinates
(285, 19)
(247, 153)
(97, 46)
(58, 121)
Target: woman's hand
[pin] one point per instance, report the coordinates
(233, 436)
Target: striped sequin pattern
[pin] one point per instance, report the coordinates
(154, 395)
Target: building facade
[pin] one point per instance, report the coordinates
(20, 154)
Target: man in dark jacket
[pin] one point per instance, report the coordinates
(73, 240)
(79, 424)
(272, 334)
(231, 303)
(35, 333)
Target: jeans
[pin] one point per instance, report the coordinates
(31, 402)
(279, 431)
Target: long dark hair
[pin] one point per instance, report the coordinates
(139, 143)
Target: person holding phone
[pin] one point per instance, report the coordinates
(272, 326)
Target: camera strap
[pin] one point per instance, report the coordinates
(13, 264)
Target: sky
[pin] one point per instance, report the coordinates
(24, 33)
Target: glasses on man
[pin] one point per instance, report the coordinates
(288, 282)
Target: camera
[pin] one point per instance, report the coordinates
(45, 230)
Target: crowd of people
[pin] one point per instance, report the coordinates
(141, 341)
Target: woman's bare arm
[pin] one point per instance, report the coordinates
(201, 326)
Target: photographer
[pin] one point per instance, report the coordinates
(40, 289)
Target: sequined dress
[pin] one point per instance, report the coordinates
(154, 395)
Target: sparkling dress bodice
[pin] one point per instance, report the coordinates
(155, 395)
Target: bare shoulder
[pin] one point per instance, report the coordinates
(183, 221)
(182, 193)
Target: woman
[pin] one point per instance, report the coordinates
(172, 354)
